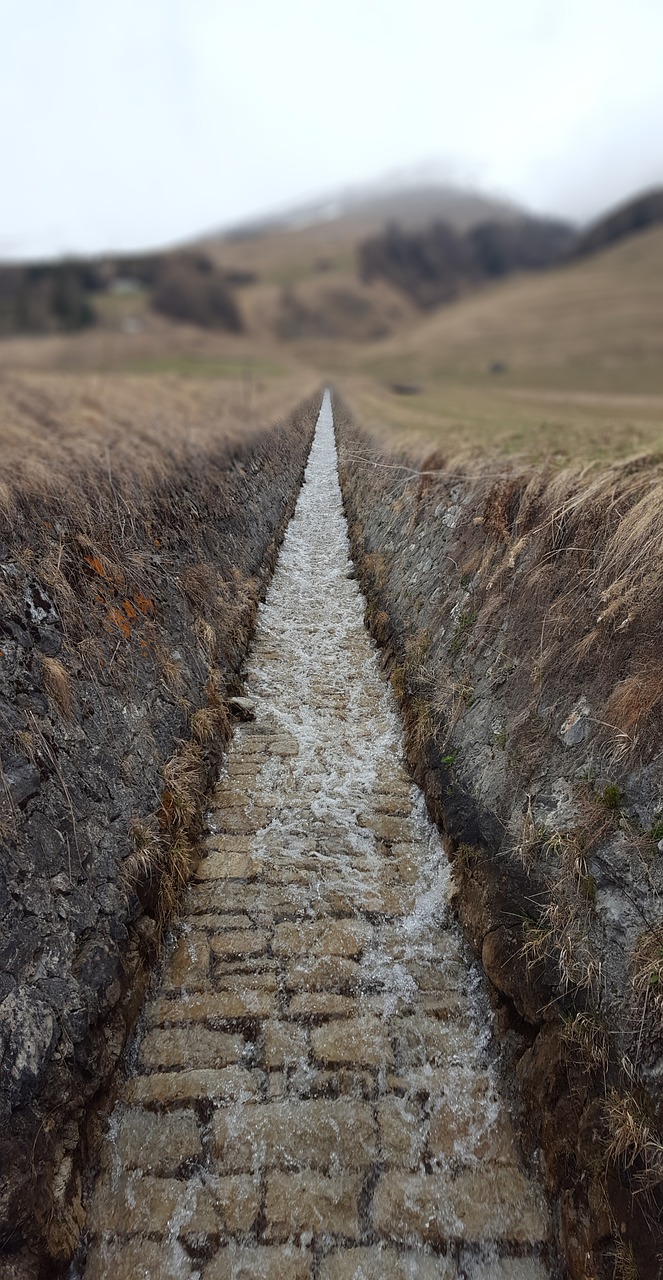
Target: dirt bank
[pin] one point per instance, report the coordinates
(129, 581)
(519, 619)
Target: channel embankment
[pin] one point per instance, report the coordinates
(518, 613)
(129, 583)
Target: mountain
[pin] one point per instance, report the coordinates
(371, 206)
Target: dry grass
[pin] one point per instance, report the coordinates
(633, 1143)
(648, 966)
(57, 685)
(567, 559)
(118, 491)
(56, 427)
(85, 501)
(587, 1039)
(566, 933)
(582, 348)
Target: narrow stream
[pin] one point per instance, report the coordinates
(312, 1096)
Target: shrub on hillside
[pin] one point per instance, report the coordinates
(55, 296)
(645, 211)
(432, 265)
(45, 297)
(190, 288)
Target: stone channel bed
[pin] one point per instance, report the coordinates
(311, 1095)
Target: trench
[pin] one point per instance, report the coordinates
(312, 1094)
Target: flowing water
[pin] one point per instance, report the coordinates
(311, 1096)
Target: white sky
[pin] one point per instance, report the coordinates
(128, 123)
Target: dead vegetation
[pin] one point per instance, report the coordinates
(518, 608)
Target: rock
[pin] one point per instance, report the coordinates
(29, 1037)
(244, 708)
(157, 1143)
(500, 956)
(575, 729)
(21, 779)
(10, 627)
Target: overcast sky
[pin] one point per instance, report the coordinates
(128, 123)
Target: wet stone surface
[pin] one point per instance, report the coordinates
(312, 1097)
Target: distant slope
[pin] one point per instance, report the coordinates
(373, 205)
(595, 324)
(305, 260)
(636, 215)
(65, 296)
(296, 242)
(434, 264)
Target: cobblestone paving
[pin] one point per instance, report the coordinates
(311, 1097)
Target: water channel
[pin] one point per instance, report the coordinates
(312, 1095)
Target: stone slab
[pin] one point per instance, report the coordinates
(214, 1007)
(157, 1143)
(261, 1263)
(477, 1206)
(173, 1088)
(195, 1046)
(315, 1134)
(362, 1041)
(297, 1204)
(375, 1263)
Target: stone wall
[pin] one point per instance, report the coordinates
(552, 823)
(121, 645)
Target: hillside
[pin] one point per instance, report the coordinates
(305, 262)
(567, 362)
(627, 219)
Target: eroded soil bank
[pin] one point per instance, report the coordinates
(124, 620)
(526, 670)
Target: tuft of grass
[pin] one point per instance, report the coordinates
(398, 680)
(530, 838)
(565, 935)
(467, 855)
(199, 584)
(207, 638)
(203, 725)
(185, 777)
(179, 861)
(634, 1143)
(586, 1036)
(626, 1266)
(57, 684)
(611, 797)
(648, 965)
(144, 861)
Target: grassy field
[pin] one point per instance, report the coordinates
(556, 366)
(54, 424)
(473, 421)
(580, 351)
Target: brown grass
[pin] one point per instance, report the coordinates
(568, 560)
(634, 1143)
(57, 684)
